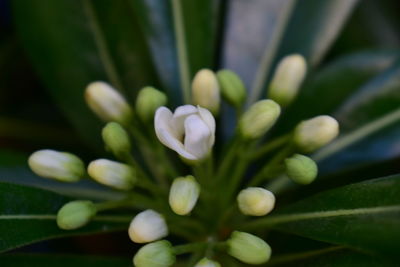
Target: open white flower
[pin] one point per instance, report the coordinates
(190, 130)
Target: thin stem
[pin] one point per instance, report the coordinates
(188, 248)
(270, 146)
(116, 204)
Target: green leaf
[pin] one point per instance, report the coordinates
(40, 260)
(364, 216)
(28, 215)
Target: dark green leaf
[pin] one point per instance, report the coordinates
(364, 215)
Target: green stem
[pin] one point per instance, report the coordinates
(270, 146)
(188, 248)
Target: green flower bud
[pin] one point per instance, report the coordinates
(147, 102)
(287, 79)
(75, 214)
(116, 139)
(62, 166)
(205, 91)
(248, 248)
(147, 226)
(301, 169)
(107, 103)
(183, 194)
(314, 133)
(157, 254)
(113, 174)
(256, 201)
(259, 118)
(232, 87)
(207, 263)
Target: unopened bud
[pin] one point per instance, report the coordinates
(287, 79)
(207, 263)
(113, 174)
(232, 87)
(301, 169)
(157, 254)
(205, 91)
(248, 248)
(147, 226)
(75, 214)
(314, 133)
(256, 201)
(61, 166)
(116, 139)
(107, 103)
(148, 101)
(183, 194)
(259, 118)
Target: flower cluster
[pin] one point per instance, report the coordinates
(206, 194)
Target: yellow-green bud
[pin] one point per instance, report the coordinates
(157, 254)
(301, 169)
(183, 194)
(147, 102)
(259, 118)
(116, 139)
(75, 214)
(287, 79)
(107, 103)
(147, 226)
(113, 174)
(62, 166)
(207, 263)
(256, 201)
(232, 87)
(248, 248)
(205, 91)
(314, 133)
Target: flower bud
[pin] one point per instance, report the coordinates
(147, 102)
(75, 214)
(61, 166)
(259, 118)
(256, 201)
(314, 133)
(116, 139)
(207, 263)
(232, 87)
(113, 174)
(301, 169)
(157, 254)
(287, 79)
(205, 90)
(107, 103)
(147, 226)
(183, 194)
(248, 248)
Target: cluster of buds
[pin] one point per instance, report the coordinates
(170, 195)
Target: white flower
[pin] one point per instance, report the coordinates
(190, 130)
(147, 226)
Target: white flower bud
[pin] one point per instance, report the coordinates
(147, 226)
(183, 194)
(207, 263)
(205, 90)
(232, 87)
(314, 133)
(147, 102)
(157, 254)
(116, 139)
(113, 174)
(61, 166)
(75, 214)
(107, 103)
(248, 248)
(301, 169)
(287, 79)
(256, 201)
(190, 131)
(259, 118)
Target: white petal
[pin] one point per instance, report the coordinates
(163, 120)
(168, 140)
(208, 118)
(180, 114)
(197, 135)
